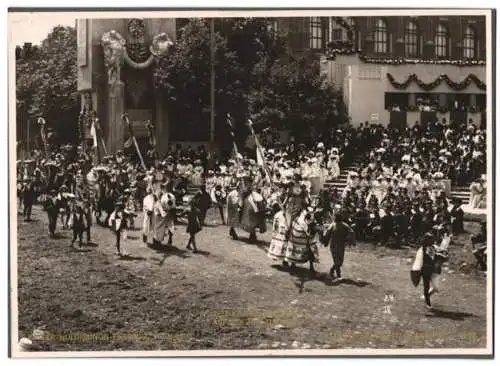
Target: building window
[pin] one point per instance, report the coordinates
(380, 36)
(335, 31)
(272, 27)
(315, 33)
(411, 40)
(352, 28)
(469, 43)
(441, 41)
(351, 23)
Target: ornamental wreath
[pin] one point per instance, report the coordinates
(471, 78)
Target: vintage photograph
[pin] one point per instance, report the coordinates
(266, 183)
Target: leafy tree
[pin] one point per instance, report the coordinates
(46, 83)
(243, 48)
(295, 95)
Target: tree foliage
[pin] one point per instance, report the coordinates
(46, 82)
(255, 77)
(242, 46)
(294, 95)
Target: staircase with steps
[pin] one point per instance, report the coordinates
(456, 192)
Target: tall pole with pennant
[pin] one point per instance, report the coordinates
(133, 139)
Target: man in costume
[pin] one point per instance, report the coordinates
(338, 235)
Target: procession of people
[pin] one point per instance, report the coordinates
(396, 199)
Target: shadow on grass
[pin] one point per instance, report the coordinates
(80, 249)
(303, 275)
(452, 315)
(128, 257)
(132, 237)
(90, 244)
(202, 252)
(58, 236)
(167, 251)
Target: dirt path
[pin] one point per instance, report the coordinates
(229, 296)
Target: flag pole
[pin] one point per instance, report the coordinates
(260, 151)
(231, 132)
(97, 125)
(132, 136)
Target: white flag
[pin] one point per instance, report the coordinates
(93, 133)
(260, 158)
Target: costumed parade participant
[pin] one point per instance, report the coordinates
(233, 217)
(218, 197)
(194, 224)
(426, 266)
(164, 217)
(279, 239)
(118, 224)
(78, 223)
(302, 246)
(148, 207)
(251, 213)
(337, 236)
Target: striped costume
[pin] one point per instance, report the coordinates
(302, 243)
(278, 245)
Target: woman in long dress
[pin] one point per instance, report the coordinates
(278, 244)
(302, 246)
(333, 166)
(476, 193)
(232, 208)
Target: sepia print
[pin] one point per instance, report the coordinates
(265, 183)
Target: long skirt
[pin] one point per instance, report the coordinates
(161, 225)
(252, 220)
(278, 245)
(301, 247)
(334, 171)
(147, 224)
(475, 200)
(233, 218)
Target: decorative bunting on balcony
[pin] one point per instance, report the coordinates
(471, 78)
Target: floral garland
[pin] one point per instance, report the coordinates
(432, 85)
(344, 49)
(139, 65)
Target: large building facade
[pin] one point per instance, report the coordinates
(400, 69)
(390, 69)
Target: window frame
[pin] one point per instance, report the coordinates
(316, 36)
(411, 39)
(380, 37)
(469, 43)
(442, 41)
